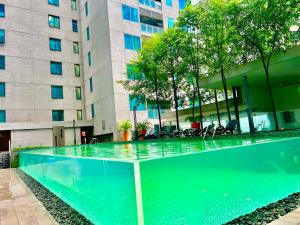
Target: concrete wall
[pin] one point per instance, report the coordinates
(22, 138)
(27, 74)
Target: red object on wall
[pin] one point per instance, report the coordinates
(195, 125)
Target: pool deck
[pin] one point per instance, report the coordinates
(292, 218)
(18, 206)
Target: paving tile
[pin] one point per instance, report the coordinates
(18, 206)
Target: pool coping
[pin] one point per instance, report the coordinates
(132, 161)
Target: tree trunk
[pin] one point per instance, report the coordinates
(194, 99)
(226, 93)
(157, 102)
(175, 99)
(217, 107)
(200, 100)
(271, 98)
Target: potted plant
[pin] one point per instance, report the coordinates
(194, 121)
(142, 128)
(125, 126)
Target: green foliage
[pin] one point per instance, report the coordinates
(29, 148)
(125, 125)
(145, 125)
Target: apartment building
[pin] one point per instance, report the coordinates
(60, 61)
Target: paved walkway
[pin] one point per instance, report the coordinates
(292, 218)
(18, 206)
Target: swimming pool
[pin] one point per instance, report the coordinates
(170, 182)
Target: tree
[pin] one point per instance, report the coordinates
(193, 54)
(220, 38)
(149, 82)
(265, 27)
(171, 64)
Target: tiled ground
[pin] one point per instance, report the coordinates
(293, 218)
(18, 206)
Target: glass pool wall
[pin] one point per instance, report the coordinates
(214, 187)
(206, 188)
(101, 190)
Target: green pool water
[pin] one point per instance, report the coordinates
(170, 182)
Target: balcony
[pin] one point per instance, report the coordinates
(150, 28)
(151, 3)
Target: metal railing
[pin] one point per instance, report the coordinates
(150, 28)
(94, 141)
(151, 3)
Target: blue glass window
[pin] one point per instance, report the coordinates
(77, 70)
(88, 33)
(56, 68)
(169, 2)
(86, 7)
(138, 101)
(57, 115)
(2, 116)
(2, 62)
(132, 74)
(130, 13)
(93, 110)
(132, 42)
(182, 4)
(91, 84)
(2, 89)
(153, 112)
(170, 22)
(2, 10)
(74, 26)
(55, 44)
(57, 92)
(89, 58)
(53, 2)
(73, 4)
(2, 36)
(54, 21)
(78, 93)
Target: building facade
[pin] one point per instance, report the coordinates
(60, 61)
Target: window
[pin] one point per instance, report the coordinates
(73, 4)
(132, 74)
(93, 110)
(138, 101)
(57, 92)
(2, 36)
(56, 68)
(53, 2)
(2, 62)
(76, 47)
(74, 26)
(57, 115)
(2, 10)
(170, 22)
(153, 111)
(78, 93)
(88, 33)
(2, 89)
(79, 114)
(182, 4)
(89, 58)
(2, 116)
(55, 44)
(130, 13)
(169, 2)
(132, 42)
(86, 7)
(77, 70)
(91, 84)
(54, 21)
